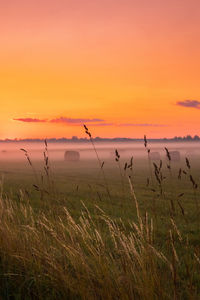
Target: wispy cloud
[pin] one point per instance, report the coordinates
(65, 120)
(189, 103)
(74, 120)
(30, 120)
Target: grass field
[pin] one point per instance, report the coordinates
(80, 231)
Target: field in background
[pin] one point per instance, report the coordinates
(80, 230)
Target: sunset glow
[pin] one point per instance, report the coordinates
(123, 67)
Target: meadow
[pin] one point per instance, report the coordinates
(100, 228)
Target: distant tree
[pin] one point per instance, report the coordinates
(196, 138)
(188, 138)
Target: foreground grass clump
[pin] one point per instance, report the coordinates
(54, 256)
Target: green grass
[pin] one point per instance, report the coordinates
(71, 240)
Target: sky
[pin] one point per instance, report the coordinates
(124, 68)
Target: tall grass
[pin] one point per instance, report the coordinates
(59, 258)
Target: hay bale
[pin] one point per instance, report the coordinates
(175, 155)
(71, 155)
(191, 153)
(154, 155)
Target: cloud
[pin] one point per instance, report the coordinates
(30, 120)
(189, 103)
(70, 121)
(74, 121)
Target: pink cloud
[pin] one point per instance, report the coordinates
(74, 120)
(30, 120)
(189, 103)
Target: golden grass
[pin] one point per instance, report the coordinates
(60, 258)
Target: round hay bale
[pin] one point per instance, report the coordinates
(71, 155)
(175, 155)
(154, 155)
(191, 153)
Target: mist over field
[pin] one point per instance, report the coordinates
(106, 151)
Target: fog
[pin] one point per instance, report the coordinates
(106, 151)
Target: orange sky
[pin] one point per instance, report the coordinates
(131, 64)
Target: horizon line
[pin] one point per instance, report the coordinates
(98, 139)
